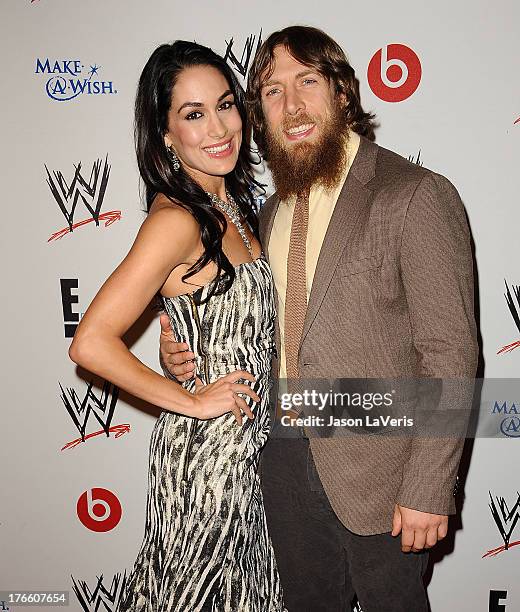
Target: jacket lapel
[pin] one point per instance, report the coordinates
(266, 220)
(353, 201)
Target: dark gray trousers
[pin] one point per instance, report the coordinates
(322, 564)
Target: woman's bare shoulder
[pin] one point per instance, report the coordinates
(170, 225)
(164, 210)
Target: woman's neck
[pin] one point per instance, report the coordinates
(212, 184)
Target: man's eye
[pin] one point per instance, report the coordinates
(193, 115)
(309, 81)
(272, 92)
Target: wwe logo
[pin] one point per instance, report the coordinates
(242, 65)
(514, 309)
(90, 192)
(417, 159)
(100, 598)
(102, 408)
(506, 520)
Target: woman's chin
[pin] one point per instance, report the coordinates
(221, 167)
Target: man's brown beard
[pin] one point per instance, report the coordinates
(297, 167)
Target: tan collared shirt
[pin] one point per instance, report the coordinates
(321, 207)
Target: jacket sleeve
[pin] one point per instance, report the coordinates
(437, 273)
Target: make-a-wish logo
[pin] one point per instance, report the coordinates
(242, 65)
(101, 597)
(69, 79)
(101, 408)
(506, 520)
(509, 413)
(513, 303)
(88, 190)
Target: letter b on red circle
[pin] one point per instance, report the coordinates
(99, 509)
(394, 73)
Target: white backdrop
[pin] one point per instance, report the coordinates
(461, 119)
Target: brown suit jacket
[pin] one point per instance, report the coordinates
(392, 297)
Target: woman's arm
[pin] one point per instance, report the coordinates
(167, 238)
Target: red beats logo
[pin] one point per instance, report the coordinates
(99, 509)
(394, 73)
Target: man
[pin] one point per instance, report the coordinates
(373, 272)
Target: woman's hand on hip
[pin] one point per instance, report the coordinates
(222, 396)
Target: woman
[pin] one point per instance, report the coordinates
(206, 545)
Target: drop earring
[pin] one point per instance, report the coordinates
(175, 160)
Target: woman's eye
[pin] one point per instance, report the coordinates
(194, 115)
(226, 105)
(272, 92)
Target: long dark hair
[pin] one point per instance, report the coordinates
(311, 47)
(152, 105)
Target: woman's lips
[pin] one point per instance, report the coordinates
(220, 150)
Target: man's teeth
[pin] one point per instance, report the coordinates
(300, 128)
(218, 149)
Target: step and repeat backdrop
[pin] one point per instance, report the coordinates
(442, 78)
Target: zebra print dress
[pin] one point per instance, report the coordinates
(206, 546)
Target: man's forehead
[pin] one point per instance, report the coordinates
(284, 64)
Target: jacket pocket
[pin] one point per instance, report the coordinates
(356, 266)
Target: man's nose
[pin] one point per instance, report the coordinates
(293, 102)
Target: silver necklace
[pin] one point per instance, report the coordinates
(230, 208)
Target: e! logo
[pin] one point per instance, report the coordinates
(70, 317)
(394, 73)
(99, 509)
(495, 597)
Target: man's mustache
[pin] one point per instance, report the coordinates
(292, 122)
